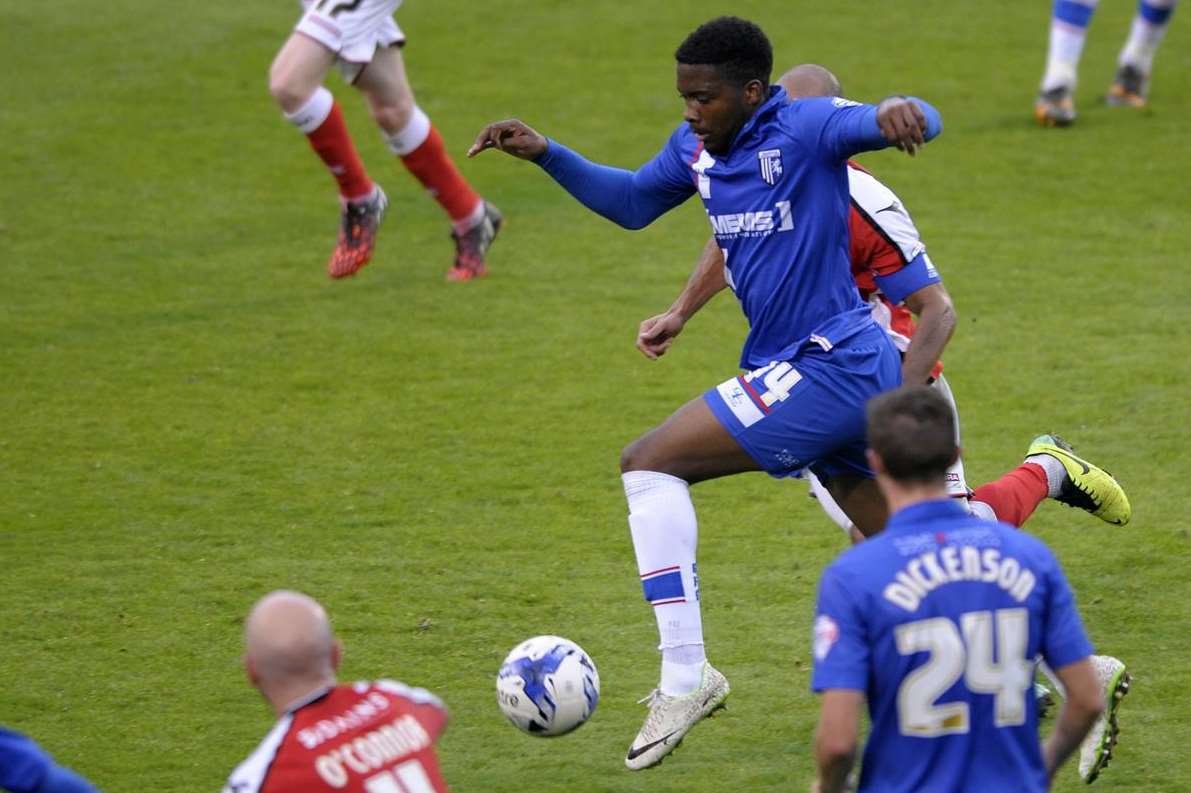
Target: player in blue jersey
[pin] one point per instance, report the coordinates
(772, 177)
(26, 768)
(1055, 106)
(937, 622)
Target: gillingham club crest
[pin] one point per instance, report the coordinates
(771, 165)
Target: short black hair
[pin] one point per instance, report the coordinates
(912, 430)
(738, 48)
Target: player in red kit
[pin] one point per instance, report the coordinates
(362, 738)
(361, 37)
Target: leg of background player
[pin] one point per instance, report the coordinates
(1136, 61)
(1015, 496)
(833, 509)
(1068, 30)
(412, 137)
(860, 500)
(295, 81)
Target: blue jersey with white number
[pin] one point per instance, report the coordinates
(939, 620)
(778, 204)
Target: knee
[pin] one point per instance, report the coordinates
(286, 92)
(393, 115)
(639, 456)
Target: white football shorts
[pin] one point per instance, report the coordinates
(352, 29)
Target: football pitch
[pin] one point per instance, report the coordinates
(193, 414)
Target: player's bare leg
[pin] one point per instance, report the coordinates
(692, 445)
(657, 469)
(298, 71)
(411, 136)
(861, 500)
(296, 83)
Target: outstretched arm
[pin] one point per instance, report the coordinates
(848, 128)
(657, 333)
(632, 199)
(936, 322)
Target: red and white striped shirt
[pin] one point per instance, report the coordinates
(883, 241)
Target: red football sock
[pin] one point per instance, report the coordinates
(438, 174)
(333, 144)
(1016, 495)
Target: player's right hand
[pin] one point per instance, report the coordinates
(657, 333)
(903, 123)
(512, 137)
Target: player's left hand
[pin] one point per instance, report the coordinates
(902, 123)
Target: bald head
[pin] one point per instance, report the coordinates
(810, 79)
(288, 640)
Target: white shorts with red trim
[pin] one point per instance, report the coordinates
(352, 29)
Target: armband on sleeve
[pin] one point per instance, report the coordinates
(918, 273)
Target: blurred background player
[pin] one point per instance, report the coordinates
(814, 353)
(936, 622)
(361, 37)
(26, 768)
(358, 738)
(1069, 22)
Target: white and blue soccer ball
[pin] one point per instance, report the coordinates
(548, 686)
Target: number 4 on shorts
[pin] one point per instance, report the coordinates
(779, 379)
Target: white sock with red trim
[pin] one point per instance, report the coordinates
(665, 536)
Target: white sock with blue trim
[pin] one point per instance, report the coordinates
(1149, 26)
(1068, 31)
(665, 536)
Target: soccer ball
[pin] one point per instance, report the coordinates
(547, 686)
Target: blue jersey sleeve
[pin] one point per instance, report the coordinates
(840, 648)
(899, 285)
(23, 764)
(1063, 638)
(63, 780)
(26, 768)
(839, 128)
(632, 199)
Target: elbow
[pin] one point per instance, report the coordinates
(833, 749)
(950, 319)
(1094, 705)
(1086, 707)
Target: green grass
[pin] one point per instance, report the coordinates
(192, 414)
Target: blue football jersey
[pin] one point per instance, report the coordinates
(778, 204)
(26, 768)
(939, 621)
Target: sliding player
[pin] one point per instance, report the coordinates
(773, 178)
(363, 40)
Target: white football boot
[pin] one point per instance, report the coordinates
(1044, 698)
(1096, 750)
(670, 718)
